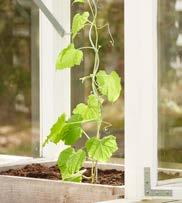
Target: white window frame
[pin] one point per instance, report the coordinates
(141, 99)
(55, 92)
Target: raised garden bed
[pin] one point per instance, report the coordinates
(37, 189)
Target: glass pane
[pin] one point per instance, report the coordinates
(170, 84)
(19, 78)
(112, 58)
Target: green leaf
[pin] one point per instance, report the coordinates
(79, 22)
(78, 1)
(67, 131)
(75, 162)
(70, 163)
(91, 111)
(109, 85)
(56, 130)
(101, 149)
(64, 156)
(72, 131)
(69, 57)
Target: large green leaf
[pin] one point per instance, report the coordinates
(56, 130)
(79, 22)
(67, 131)
(70, 163)
(91, 111)
(78, 1)
(75, 162)
(101, 149)
(69, 57)
(109, 85)
(72, 130)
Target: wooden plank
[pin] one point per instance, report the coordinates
(114, 201)
(142, 201)
(7, 159)
(22, 163)
(21, 190)
(47, 162)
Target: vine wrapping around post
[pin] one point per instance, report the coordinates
(103, 85)
(94, 170)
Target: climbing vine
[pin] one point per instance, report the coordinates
(104, 86)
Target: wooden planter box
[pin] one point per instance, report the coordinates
(30, 190)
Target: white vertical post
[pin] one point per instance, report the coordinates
(54, 85)
(140, 94)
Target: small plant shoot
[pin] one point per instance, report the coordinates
(105, 86)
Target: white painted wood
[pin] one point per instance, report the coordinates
(141, 99)
(54, 85)
(142, 201)
(6, 159)
(175, 182)
(134, 201)
(140, 95)
(115, 201)
(20, 163)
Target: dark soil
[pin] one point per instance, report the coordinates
(106, 177)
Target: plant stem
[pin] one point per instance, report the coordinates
(90, 5)
(94, 45)
(86, 134)
(85, 48)
(85, 78)
(92, 173)
(87, 178)
(109, 31)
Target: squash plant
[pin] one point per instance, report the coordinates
(104, 86)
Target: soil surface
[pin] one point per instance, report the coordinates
(105, 177)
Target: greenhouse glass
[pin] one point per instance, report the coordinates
(170, 84)
(19, 78)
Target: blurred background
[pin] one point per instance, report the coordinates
(170, 83)
(19, 73)
(19, 78)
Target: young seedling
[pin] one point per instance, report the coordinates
(104, 86)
